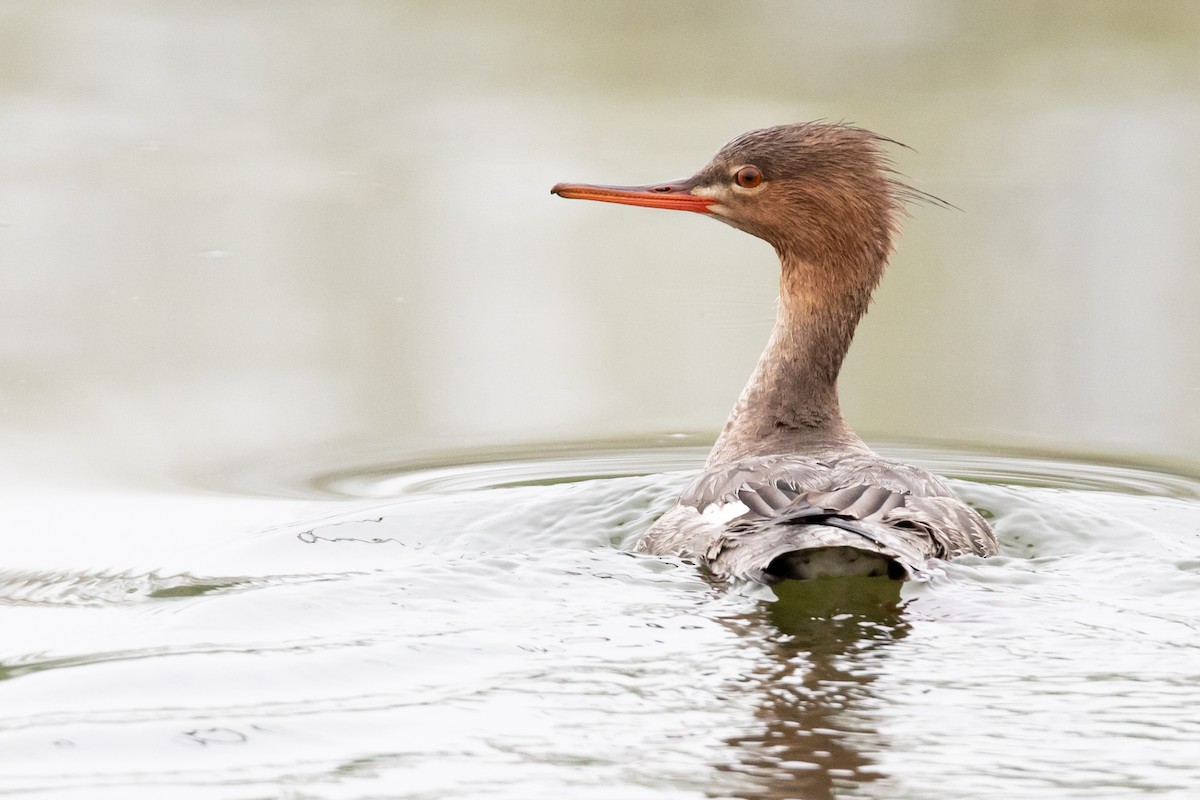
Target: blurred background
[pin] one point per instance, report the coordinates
(279, 232)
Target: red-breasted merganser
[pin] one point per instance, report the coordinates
(789, 490)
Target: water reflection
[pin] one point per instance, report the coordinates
(822, 644)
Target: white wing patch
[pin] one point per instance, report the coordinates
(721, 513)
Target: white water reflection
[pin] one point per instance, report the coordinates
(467, 639)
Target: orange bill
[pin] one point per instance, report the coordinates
(675, 195)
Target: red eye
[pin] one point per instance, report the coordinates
(748, 177)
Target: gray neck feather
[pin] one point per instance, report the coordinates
(790, 404)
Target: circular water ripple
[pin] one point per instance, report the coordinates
(401, 479)
(481, 472)
(1050, 473)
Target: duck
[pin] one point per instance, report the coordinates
(789, 491)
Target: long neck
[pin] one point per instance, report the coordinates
(790, 404)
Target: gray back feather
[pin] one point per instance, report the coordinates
(858, 505)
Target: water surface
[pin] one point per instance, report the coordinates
(483, 630)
